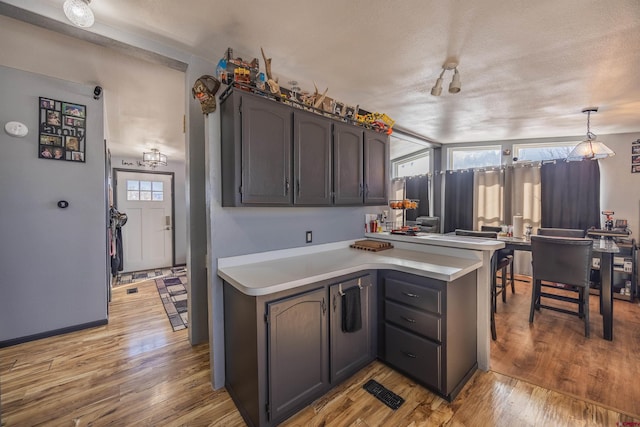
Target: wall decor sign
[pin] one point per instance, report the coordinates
(635, 156)
(62, 130)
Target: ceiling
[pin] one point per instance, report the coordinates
(527, 68)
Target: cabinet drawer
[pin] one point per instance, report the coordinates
(415, 356)
(421, 322)
(414, 295)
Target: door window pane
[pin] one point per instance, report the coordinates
(145, 190)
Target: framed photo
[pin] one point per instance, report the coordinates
(635, 168)
(73, 110)
(62, 130)
(635, 159)
(635, 148)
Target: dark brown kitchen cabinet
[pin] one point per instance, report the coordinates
(348, 164)
(256, 151)
(276, 155)
(313, 154)
(297, 352)
(376, 174)
(427, 329)
(286, 349)
(350, 351)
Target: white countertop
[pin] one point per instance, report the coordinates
(257, 277)
(448, 240)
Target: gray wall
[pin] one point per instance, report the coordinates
(179, 184)
(54, 261)
(245, 230)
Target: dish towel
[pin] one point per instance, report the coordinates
(351, 310)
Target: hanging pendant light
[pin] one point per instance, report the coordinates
(154, 158)
(590, 149)
(79, 12)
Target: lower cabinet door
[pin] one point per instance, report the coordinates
(414, 355)
(297, 352)
(350, 351)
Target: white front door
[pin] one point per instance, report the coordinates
(147, 237)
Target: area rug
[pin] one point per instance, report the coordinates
(141, 276)
(173, 293)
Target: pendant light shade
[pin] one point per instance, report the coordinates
(590, 149)
(154, 158)
(455, 85)
(79, 12)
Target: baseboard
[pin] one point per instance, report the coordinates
(15, 341)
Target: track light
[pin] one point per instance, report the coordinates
(455, 85)
(437, 89)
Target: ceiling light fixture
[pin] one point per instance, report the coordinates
(455, 85)
(79, 12)
(590, 149)
(154, 158)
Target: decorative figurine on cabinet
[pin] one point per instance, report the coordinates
(204, 90)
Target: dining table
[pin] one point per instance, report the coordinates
(604, 246)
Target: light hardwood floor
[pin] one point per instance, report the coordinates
(554, 353)
(137, 371)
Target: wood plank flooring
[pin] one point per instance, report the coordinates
(137, 371)
(554, 353)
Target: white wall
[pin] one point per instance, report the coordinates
(619, 188)
(54, 260)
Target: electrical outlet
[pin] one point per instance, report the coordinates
(309, 237)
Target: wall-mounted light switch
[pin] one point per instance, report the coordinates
(309, 236)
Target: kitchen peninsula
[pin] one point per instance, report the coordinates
(425, 312)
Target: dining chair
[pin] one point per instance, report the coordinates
(561, 232)
(503, 253)
(562, 263)
(499, 264)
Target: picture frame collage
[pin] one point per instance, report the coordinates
(62, 130)
(635, 156)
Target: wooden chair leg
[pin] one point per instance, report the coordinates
(503, 283)
(513, 288)
(534, 294)
(585, 296)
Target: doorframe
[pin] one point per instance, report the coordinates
(173, 201)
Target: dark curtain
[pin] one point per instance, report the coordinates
(458, 201)
(570, 194)
(417, 188)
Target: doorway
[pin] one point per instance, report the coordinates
(147, 198)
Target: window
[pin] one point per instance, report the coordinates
(543, 151)
(415, 164)
(472, 157)
(145, 190)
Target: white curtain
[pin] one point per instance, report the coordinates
(525, 197)
(488, 198)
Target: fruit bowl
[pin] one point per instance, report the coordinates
(403, 204)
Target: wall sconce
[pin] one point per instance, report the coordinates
(154, 158)
(79, 12)
(455, 85)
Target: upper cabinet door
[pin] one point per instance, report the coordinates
(376, 174)
(312, 152)
(348, 184)
(266, 152)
